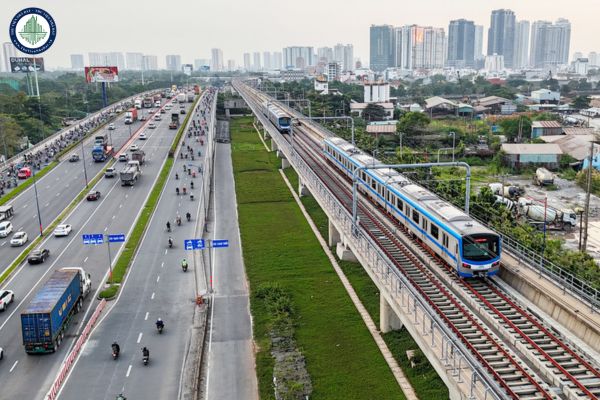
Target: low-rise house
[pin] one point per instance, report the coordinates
(545, 128)
(518, 155)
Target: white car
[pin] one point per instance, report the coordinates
(143, 136)
(157, 117)
(62, 230)
(19, 239)
(111, 127)
(6, 297)
(134, 147)
(151, 125)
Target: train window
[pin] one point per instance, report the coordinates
(435, 232)
(425, 224)
(399, 204)
(415, 216)
(445, 240)
(374, 184)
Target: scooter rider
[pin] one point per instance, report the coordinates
(170, 241)
(160, 324)
(116, 349)
(184, 263)
(168, 226)
(188, 216)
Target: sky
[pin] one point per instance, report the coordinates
(191, 28)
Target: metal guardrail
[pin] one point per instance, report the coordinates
(455, 356)
(18, 157)
(556, 274)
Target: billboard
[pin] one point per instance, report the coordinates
(187, 69)
(101, 74)
(25, 64)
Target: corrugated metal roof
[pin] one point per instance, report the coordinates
(523, 148)
(381, 128)
(579, 131)
(437, 101)
(577, 146)
(546, 124)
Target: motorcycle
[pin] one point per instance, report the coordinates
(178, 221)
(191, 196)
(170, 243)
(177, 191)
(115, 351)
(176, 176)
(188, 216)
(184, 266)
(168, 227)
(184, 191)
(145, 356)
(192, 184)
(160, 327)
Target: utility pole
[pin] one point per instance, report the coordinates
(587, 198)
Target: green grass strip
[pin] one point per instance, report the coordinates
(279, 248)
(27, 184)
(56, 221)
(141, 224)
(424, 379)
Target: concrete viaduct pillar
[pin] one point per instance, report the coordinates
(274, 146)
(341, 249)
(302, 189)
(388, 320)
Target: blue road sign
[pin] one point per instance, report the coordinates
(94, 238)
(220, 243)
(193, 244)
(116, 238)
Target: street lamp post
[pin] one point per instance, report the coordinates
(453, 143)
(84, 168)
(37, 203)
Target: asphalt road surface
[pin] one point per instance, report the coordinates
(155, 287)
(231, 367)
(25, 376)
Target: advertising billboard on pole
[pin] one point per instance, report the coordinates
(101, 74)
(25, 64)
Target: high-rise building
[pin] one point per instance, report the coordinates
(478, 42)
(494, 63)
(550, 43)
(324, 54)
(338, 54)
(419, 47)
(267, 63)
(230, 65)
(8, 50)
(348, 58)
(201, 63)
(247, 64)
(277, 60)
(461, 43)
(333, 71)
(134, 61)
(577, 55)
(256, 61)
(77, 62)
(501, 36)
(150, 63)
(173, 62)
(216, 61)
(521, 44)
(297, 57)
(594, 59)
(381, 47)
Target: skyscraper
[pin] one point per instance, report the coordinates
(201, 63)
(419, 47)
(277, 60)
(521, 44)
(8, 50)
(381, 47)
(247, 64)
(256, 61)
(501, 36)
(348, 64)
(216, 61)
(594, 59)
(324, 54)
(150, 63)
(550, 43)
(478, 42)
(134, 61)
(230, 65)
(338, 54)
(173, 62)
(77, 62)
(267, 61)
(297, 57)
(461, 43)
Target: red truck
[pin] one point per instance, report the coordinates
(131, 116)
(196, 89)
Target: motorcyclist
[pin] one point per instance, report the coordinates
(188, 216)
(177, 190)
(116, 348)
(191, 184)
(160, 324)
(170, 241)
(176, 176)
(145, 352)
(184, 263)
(168, 226)
(178, 219)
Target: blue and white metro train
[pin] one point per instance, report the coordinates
(471, 248)
(280, 119)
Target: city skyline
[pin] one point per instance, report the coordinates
(268, 34)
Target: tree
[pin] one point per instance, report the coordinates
(374, 112)
(581, 102)
(412, 122)
(10, 133)
(510, 127)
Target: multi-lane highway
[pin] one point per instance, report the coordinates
(156, 287)
(57, 189)
(25, 376)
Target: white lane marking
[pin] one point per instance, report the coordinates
(57, 194)
(85, 260)
(3, 243)
(67, 185)
(105, 229)
(126, 196)
(25, 206)
(140, 337)
(34, 215)
(166, 250)
(120, 205)
(162, 264)
(152, 297)
(157, 279)
(113, 216)
(146, 317)
(128, 372)
(47, 204)
(20, 229)
(13, 366)
(48, 187)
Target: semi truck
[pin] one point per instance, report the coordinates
(543, 177)
(46, 318)
(555, 219)
(101, 140)
(181, 97)
(174, 121)
(130, 173)
(138, 103)
(131, 116)
(139, 156)
(190, 97)
(147, 103)
(102, 153)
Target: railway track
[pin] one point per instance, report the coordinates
(549, 355)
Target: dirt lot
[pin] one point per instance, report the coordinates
(567, 196)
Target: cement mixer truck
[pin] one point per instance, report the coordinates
(535, 214)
